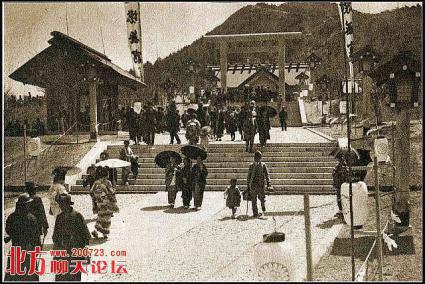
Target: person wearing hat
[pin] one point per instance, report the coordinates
(172, 119)
(70, 233)
(258, 177)
(250, 129)
(22, 228)
(58, 187)
(36, 208)
(151, 124)
(283, 115)
(125, 154)
(199, 181)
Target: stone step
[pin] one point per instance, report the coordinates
(229, 145)
(157, 170)
(290, 189)
(246, 164)
(232, 153)
(239, 149)
(225, 181)
(240, 175)
(225, 159)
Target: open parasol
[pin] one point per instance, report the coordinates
(193, 152)
(271, 110)
(113, 163)
(162, 158)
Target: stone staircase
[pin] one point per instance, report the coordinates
(294, 168)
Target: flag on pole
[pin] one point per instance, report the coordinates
(346, 17)
(134, 35)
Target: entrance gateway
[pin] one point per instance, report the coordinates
(267, 43)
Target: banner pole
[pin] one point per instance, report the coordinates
(25, 153)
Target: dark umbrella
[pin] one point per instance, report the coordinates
(191, 110)
(193, 152)
(353, 156)
(365, 158)
(162, 158)
(272, 111)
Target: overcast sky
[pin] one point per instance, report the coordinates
(166, 27)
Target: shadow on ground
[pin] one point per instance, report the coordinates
(362, 245)
(330, 223)
(155, 208)
(284, 213)
(179, 210)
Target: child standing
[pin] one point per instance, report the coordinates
(233, 196)
(135, 166)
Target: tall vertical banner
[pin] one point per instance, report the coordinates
(134, 35)
(346, 16)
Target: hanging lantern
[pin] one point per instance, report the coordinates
(34, 147)
(274, 260)
(381, 149)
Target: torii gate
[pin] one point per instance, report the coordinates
(279, 47)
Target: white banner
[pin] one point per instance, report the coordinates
(343, 107)
(134, 35)
(346, 17)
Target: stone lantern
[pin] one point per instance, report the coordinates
(402, 75)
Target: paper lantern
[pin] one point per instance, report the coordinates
(34, 147)
(381, 149)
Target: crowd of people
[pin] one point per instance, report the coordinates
(15, 128)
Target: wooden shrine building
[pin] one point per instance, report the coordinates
(81, 85)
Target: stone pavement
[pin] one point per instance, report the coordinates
(292, 135)
(165, 244)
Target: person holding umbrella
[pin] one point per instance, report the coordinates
(104, 196)
(184, 183)
(36, 208)
(169, 161)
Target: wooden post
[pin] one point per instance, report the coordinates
(402, 162)
(25, 153)
(378, 218)
(223, 66)
(93, 105)
(308, 237)
(281, 64)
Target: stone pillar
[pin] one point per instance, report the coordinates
(281, 64)
(402, 160)
(93, 105)
(223, 66)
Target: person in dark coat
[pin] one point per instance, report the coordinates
(240, 118)
(263, 123)
(258, 177)
(200, 114)
(283, 115)
(173, 123)
(70, 233)
(213, 117)
(340, 176)
(231, 124)
(22, 228)
(150, 120)
(250, 128)
(184, 181)
(132, 124)
(199, 181)
(36, 207)
(233, 197)
(160, 119)
(220, 125)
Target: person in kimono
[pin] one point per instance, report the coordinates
(199, 181)
(193, 130)
(58, 187)
(233, 197)
(104, 197)
(170, 181)
(36, 207)
(184, 183)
